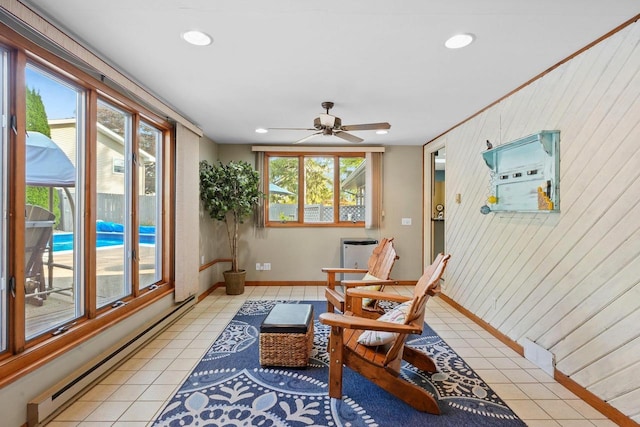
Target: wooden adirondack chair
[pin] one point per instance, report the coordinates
(379, 267)
(381, 364)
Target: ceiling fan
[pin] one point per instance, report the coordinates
(326, 124)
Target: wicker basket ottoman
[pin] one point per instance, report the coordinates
(286, 335)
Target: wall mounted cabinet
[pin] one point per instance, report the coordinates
(525, 174)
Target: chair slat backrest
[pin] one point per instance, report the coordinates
(428, 281)
(379, 266)
(382, 259)
(419, 288)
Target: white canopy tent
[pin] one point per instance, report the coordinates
(47, 164)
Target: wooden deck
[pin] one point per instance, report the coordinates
(59, 308)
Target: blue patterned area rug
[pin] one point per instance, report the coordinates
(228, 387)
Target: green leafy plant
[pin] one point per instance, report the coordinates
(230, 193)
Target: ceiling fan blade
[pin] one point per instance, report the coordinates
(367, 126)
(291, 128)
(308, 137)
(347, 136)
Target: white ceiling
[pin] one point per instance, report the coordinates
(273, 62)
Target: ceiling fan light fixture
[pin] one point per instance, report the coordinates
(459, 40)
(330, 125)
(197, 38)
(262, 130)
(382, 132)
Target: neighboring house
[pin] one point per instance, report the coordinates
(110, 162)
(355, 183)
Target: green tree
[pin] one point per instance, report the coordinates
(36, 114)
(283, 171)
(318, 175)
(318, 178)
(38, 121)
(347, 166)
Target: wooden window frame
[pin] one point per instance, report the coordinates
(22, 357)
(337, 155)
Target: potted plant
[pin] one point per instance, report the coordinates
(230, 193)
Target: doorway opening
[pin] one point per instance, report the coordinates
(438, 207)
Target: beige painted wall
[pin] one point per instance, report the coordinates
(187, 198)
(210, 242)
(298, 254)
(567, 281)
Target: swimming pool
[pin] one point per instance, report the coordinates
(64, 241)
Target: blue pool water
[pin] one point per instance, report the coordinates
(64, 241)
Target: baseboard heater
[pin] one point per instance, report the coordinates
(58, 397)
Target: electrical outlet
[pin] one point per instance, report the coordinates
(406, 221)
(202, 260)
(266, 266)
(258, 266)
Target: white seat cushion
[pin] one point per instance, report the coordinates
(367, 302)
(396, 315)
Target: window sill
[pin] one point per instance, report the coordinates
(48, 348)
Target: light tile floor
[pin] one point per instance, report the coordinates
(135, 393)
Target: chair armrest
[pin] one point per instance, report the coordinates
(343, 270)
(356, 283)
(352, 322)
(331, 274)
(379, 295)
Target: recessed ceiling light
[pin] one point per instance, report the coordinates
(197, 38)
(261, 130)
(459, 40)
(382, 132)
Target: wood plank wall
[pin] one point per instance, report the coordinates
(569, 281)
